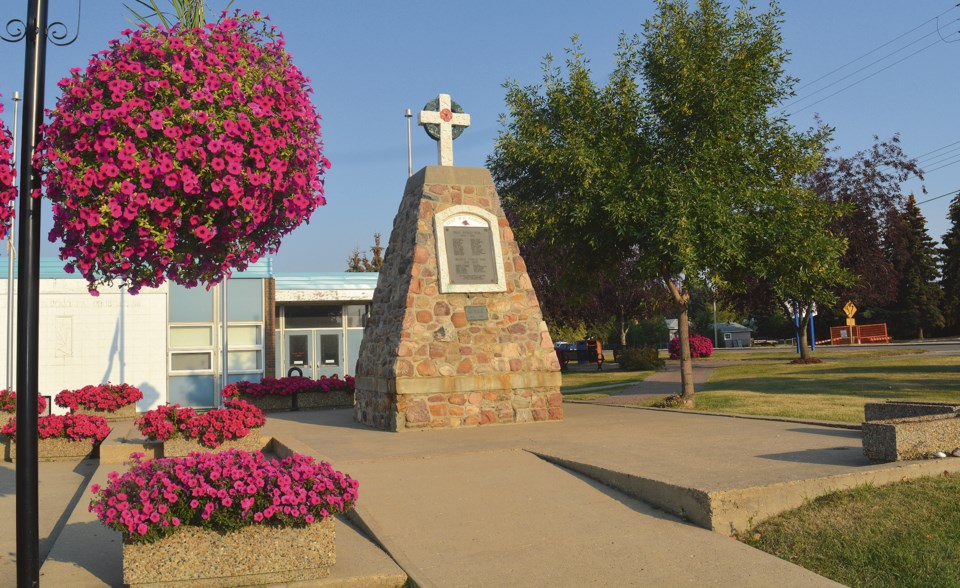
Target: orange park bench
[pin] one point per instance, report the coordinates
(857, 334)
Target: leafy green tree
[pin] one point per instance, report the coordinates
(802, 262)
(674, 162)
(950, 268)
(913, 255)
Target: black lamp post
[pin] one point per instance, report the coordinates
(35, 31)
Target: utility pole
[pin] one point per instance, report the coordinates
(409, 116)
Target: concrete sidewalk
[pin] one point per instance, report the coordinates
(559, 504)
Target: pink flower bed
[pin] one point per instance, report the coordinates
(700, 346)
(210, 429)
(106, 397)
(76, 427)
(8, 402)
(220, 491)
(182, 154)
(288, 386)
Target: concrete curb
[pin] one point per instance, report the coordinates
(730, 511)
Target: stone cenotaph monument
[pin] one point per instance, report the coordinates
(455, 335)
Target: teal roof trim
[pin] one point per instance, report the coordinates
(52, 268)
(327, 281)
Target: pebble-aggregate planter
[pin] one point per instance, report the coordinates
(180, 447)
(910, 438)
(332, 399)
(252, 556)
(127, 412)
(52, 449)
(270, 402)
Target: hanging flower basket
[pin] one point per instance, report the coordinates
(8, 192)
(182, 155)
(267, 520)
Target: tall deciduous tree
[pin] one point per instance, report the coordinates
(950, 268)
(679, 174)
(913, 255)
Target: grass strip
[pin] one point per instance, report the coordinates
(835, 390)
(905, 534)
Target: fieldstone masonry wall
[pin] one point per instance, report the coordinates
(423, 363)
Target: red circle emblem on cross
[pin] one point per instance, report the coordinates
(446, 115)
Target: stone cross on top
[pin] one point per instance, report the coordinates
(444, 121)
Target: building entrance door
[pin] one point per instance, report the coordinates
(315, 352)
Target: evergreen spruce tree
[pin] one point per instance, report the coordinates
(913, 255)
(950, 269)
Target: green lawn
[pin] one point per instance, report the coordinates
(835, 390)
(590, 384)
(905, 534)
(825, 353)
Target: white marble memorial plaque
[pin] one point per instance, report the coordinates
(469, 256)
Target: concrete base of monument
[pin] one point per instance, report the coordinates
(454, 402)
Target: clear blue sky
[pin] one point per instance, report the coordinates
(369, 61)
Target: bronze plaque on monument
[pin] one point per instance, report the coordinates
(470, 255)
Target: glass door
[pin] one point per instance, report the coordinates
(330, 353)
(299, 353)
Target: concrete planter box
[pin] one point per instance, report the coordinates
(270, 402)
(127, 412)
(912, 438)
(252, 556)
(334, 399)
(53, 449)
(885, 411)
(179, 447)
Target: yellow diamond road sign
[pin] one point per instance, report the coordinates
(849, 309)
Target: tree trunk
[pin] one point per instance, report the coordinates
(624, 327)
(683, 333)
(805, 352)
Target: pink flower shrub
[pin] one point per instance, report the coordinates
(76, 427)
(288, 386)
(214, 427)
(700, 346)
(210, 429)
(182, 154)
(220, 491)
(8, 192)
(106, 397)
(8, 402)
(165, 421)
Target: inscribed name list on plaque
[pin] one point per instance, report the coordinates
(469, 254)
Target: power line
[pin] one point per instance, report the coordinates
(889, 55)
(938, 159)
(869, 65)
(922, 155)
(954, 162)
(944, 195)
(865, 78)
(874, 50)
